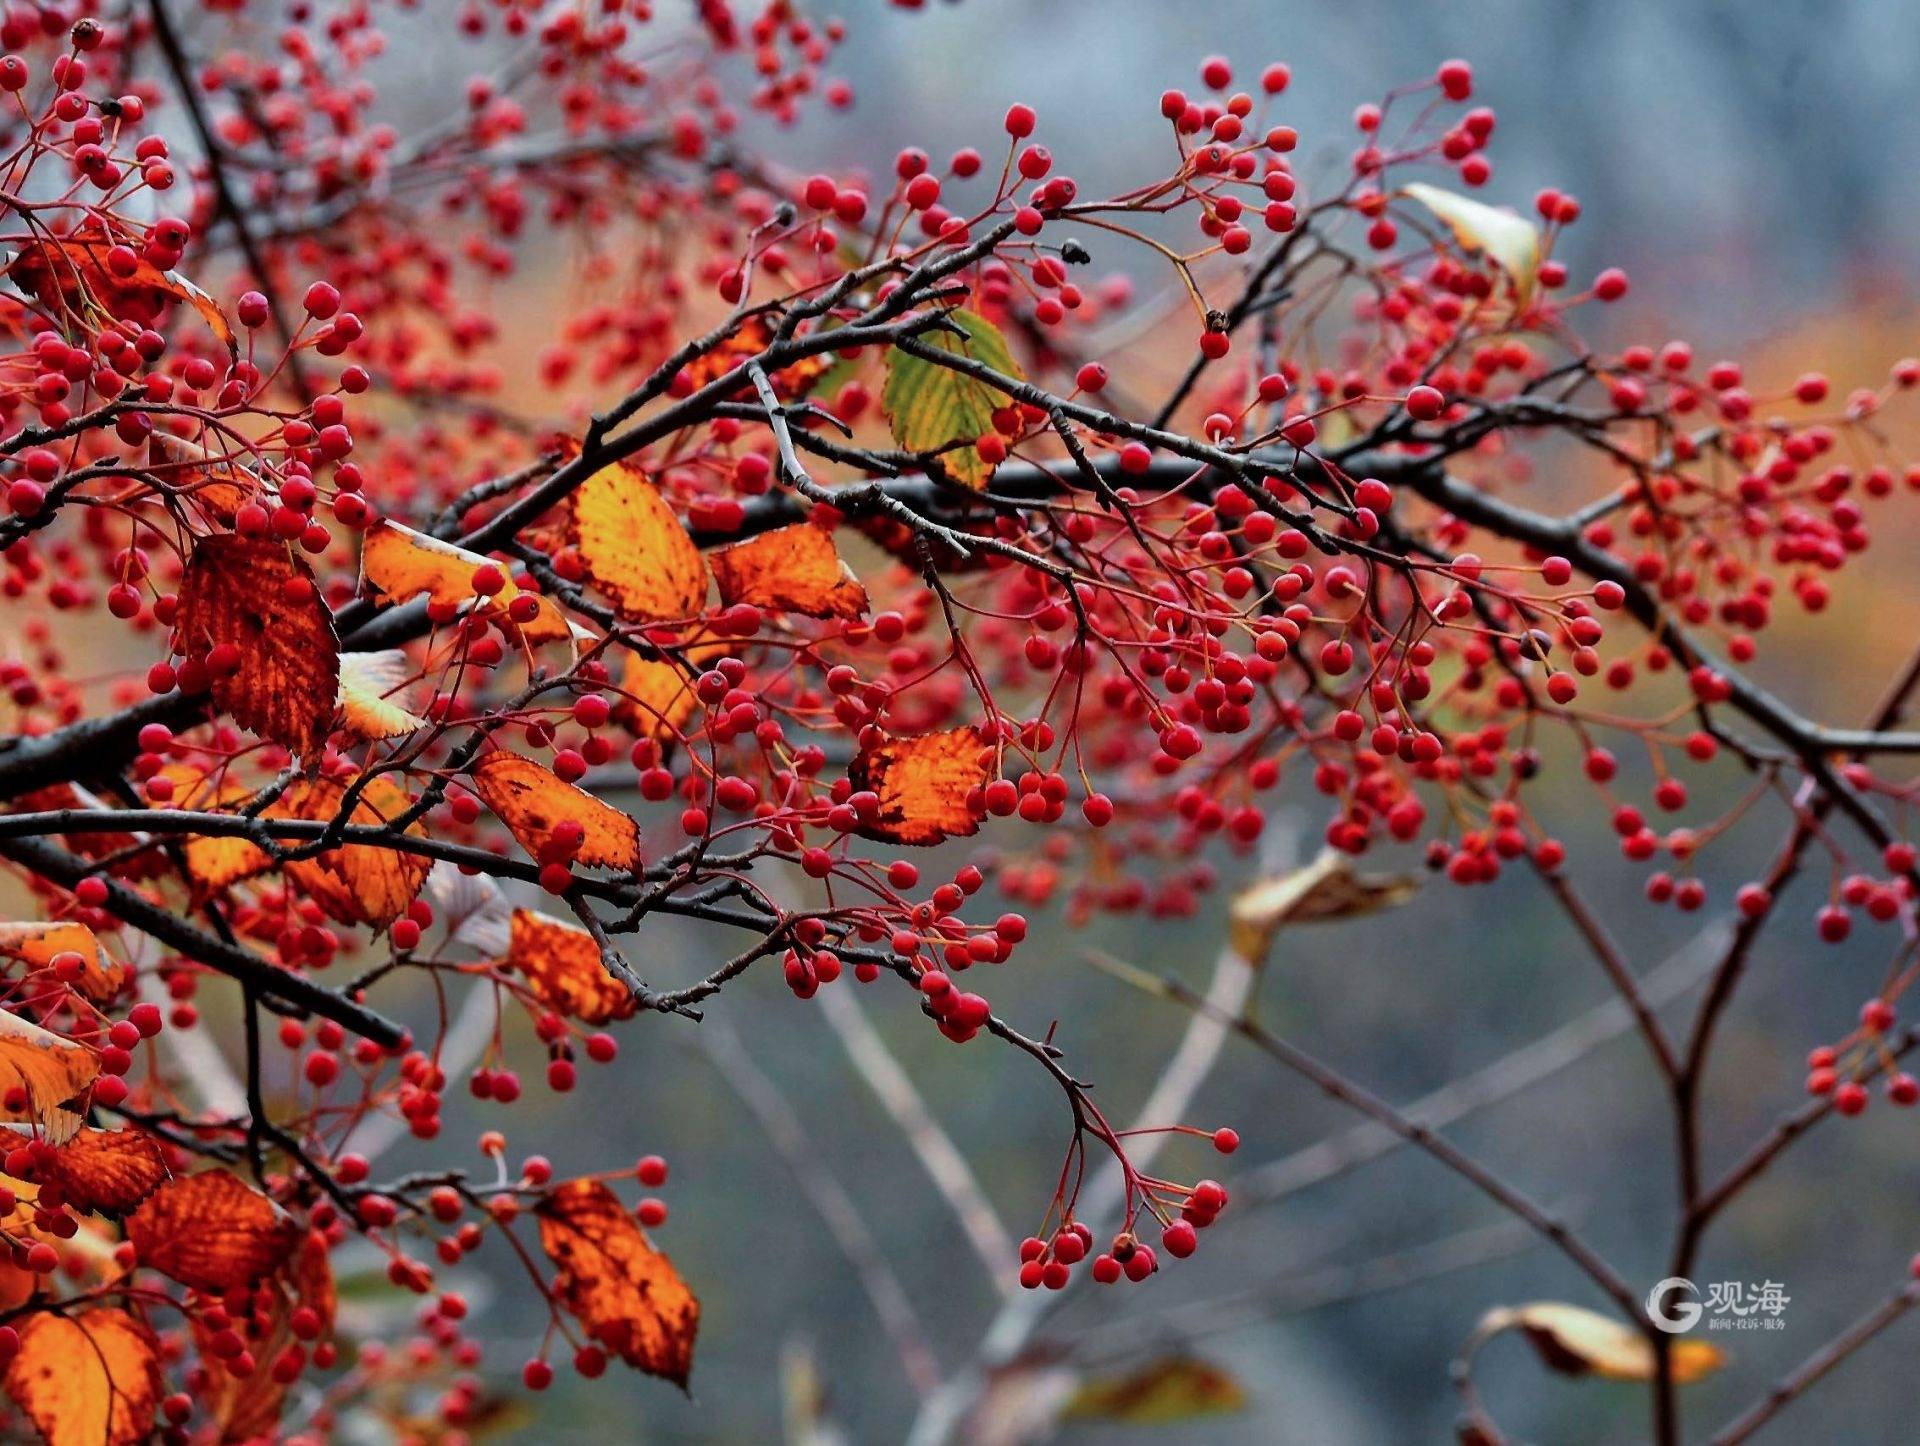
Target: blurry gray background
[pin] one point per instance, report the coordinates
(1752, 167)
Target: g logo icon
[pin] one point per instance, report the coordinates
(1678, 1317)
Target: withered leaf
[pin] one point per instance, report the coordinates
(1579, 1342)
(793, 569)
(1159, 1393)
(624, 1292)
(48, 1069)
(236, 591)
(927, 786)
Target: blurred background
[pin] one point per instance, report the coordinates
(1749, 165)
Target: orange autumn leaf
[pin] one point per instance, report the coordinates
(357, 883)
(658, 694)
(247, 1407)
(563, 968)
(212, 1232)
(927, 786)
(48, 1070)
(626, 1293)
(791, 382)
(532, 801)
(38, 944)
(72, 272)
(634, 547)
(110, 1170)
(791, 569)
(91, 1379)
(237, 590)
(400, 564)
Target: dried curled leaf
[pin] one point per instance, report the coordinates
(473, 909)
(368, 685)
(635, 548)
(110, 1170)
(1580, 1342)
(399, 564)
(931, 407)
(248, 1407)
(212, 1231)
(357, 883)
(1327, 889)
(219, 485)
(791, 569)
(928, 786)
(257, 595)
(563, 968)
(624, 1292)
(91, 1379)
(1510, 241)
(531, 800)
(37, 944)
(1159, 1393)
(47, 1069)
(72, 272)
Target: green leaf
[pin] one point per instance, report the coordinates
(1175, 1388)
(930, 406)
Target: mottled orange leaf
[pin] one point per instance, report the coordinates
(791, 569)
(399, 563)
(927, 786)
(357, 883)
(370, 688)
(110, 1170)
(48, 1069)
(212, 1231)
(37, 944)
(236, 590)
(531, 801)
(91, 1379)
(626, 1293)
(248, 1407)
(562, 967)
(71, 272)
(634, 547)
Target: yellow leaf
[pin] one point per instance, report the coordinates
(399, 563)
(1510, 241)
(47, 1069)
(635, 548)
(91, 1379)
(1580, 1342)
(932, 407)
(1326, 889)
(1160, 1393)
(37, 944)
(368, 682)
